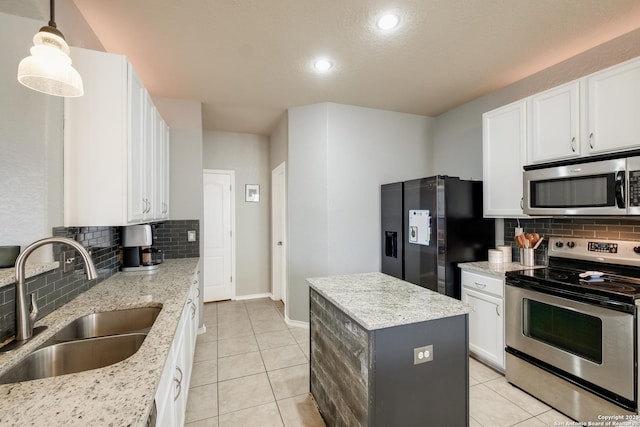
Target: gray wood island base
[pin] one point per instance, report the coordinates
(385, 352)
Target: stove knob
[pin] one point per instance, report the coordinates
(559, 244)
(571, 244)
(636, 249)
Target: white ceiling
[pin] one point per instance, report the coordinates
(247, 61)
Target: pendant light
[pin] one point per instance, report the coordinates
(49, 69)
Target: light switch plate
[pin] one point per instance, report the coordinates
(191, 235)
(423, 354)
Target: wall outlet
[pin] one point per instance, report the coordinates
(518, 231)
(68, 260)
(423, 354)
(191, 235)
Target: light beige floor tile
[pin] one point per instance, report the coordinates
(474, 423)
(283, 357)
(300, 411)
(209, 422)
(517, 396)
(305, 346)
(490, 409)
(531, 422)
(236, 329)
(238, 345)
(245, 392)
(482, 372)
(289, 382)
(231, 318)
(210, 311)
(275, 339)
(204, 373)
(269, 326)
(264, 416)
(211, 333)
(240, 365)
(300, 334)
(473, 381)
(207, 350)
(554, 418)
(265, 315)
(202, 403)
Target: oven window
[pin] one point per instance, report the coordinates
(579, 192)
(576, 333)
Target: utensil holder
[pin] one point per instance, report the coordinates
(528, 257)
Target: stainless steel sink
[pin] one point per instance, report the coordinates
(74, 356)
(109, 323)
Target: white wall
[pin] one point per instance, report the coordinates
(248, 156)
(339, 155)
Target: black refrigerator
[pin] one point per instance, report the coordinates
(429, 225)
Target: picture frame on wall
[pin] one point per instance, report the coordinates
(252, 193)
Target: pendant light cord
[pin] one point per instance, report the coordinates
(52, 13)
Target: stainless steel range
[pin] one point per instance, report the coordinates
(571, 329)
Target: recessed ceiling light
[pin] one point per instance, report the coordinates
(388, 21)
(322, 65)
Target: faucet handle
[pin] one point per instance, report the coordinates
(33, 312)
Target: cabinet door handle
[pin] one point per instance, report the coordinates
(573, 144)
(178, 384)
(498, 310)
(480, 285)
(522, 203)
(591, 140)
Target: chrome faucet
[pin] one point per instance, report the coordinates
(26, 316)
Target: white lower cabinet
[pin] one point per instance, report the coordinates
(485, 295)
(173, 389)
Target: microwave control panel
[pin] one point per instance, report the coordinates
(634, 188)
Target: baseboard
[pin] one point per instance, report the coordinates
(252, 296)
(296, 323)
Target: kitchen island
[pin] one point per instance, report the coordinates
(121, 394)
(387, 352)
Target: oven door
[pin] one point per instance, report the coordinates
(596, 188)
(584, 340)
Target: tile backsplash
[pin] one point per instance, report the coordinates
(55, 288)
(600, 228)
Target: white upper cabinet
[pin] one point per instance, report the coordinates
(555, 124)
(503, 151)
(614, 108)
(111, 175)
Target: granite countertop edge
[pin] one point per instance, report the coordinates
(378, 301)
(494, 268)
(119, 394)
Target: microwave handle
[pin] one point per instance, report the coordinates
(620, 189)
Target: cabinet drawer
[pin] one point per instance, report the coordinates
(483, 283)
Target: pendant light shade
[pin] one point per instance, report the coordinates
(49, 69)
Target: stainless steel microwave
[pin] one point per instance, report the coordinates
(589, 186)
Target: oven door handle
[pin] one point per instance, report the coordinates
(620, 193)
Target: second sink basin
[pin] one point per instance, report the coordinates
(74, 356)
(109, 323)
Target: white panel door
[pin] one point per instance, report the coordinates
(218, 241)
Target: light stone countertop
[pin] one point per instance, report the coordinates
(8, 275)
(495, 269)
(117, 395)
(377, 301)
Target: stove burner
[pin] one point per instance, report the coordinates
(604, 283)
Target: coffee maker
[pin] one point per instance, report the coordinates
(137, 253)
